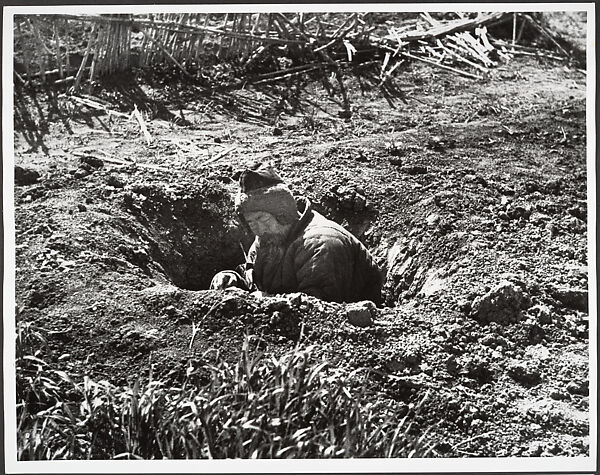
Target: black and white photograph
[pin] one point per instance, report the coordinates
(329, 237)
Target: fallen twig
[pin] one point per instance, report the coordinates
(98, 106)
(140, 119)
(462, 59)
(18, 76)
(442, 66)
(389, 72)
(339, 35)
(104, 158)
(61, 332)
(528, 50)
(189, 147)
(288, 75)
(282, 72)
(219, 155)
(538, 55)
(64, 80)
(470, 439)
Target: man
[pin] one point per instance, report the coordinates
(297, 249)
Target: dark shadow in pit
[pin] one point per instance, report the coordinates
(191, 232)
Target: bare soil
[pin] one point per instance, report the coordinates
(467, 186)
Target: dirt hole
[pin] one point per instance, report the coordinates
(190, 231)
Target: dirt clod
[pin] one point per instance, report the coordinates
(361, 314)
(114, 180)
(526, 373)
(25, 176)
(81, 173)
(414, 169)
(578, 387)
(501, 304)
(92, 161)
(574, 298)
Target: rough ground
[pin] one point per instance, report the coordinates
(471, 194)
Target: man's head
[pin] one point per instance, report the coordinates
(266, 203)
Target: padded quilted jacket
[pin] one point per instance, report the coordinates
(318, 257)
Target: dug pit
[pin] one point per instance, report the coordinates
(190, 230)
(187, 232)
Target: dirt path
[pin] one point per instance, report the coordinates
(472, 195)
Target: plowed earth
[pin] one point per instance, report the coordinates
(471, 194)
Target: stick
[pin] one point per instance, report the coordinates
(48, 73)
(389, 72)
(286, 76)
(462, 442)
(253, 30)
(140, 119)
(538, 55)
(349, 19)
(243, 251)
(522, 47)
(18, 76)
(84, 60)
(33, 24)
(338, 36)
(521, 29)
(64, 80)
(219, 155)
(448, 68)
(67, 53)
(34, 30)
(97, 106)
(285, 73)
(460, 58)
(26, 53)
(224, 29)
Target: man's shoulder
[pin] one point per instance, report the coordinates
(322, 228)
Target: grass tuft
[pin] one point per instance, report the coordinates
(295, 406)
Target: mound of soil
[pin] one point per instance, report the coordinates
(472, 195)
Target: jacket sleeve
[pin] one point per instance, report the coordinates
(322, 268)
